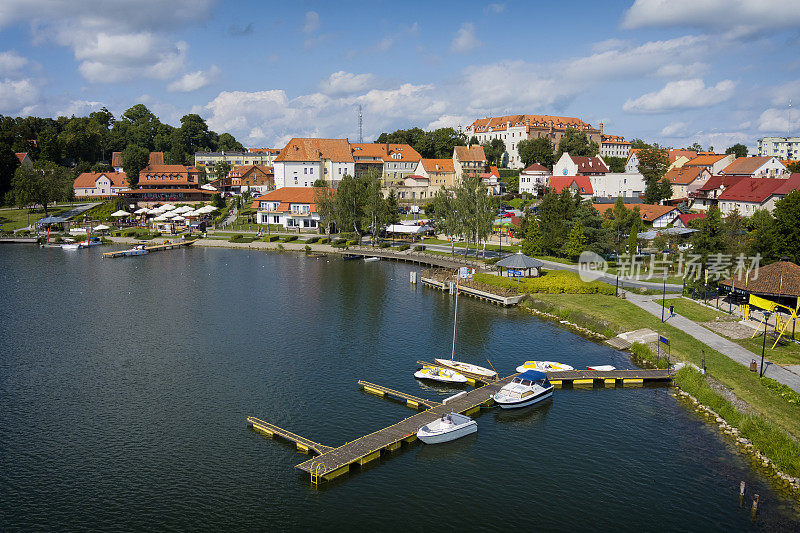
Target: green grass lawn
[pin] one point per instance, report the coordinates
(784, 354)
(694, 311)
(551, 281)
(12, 219)
(621, 316)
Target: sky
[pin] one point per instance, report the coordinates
(717, 72)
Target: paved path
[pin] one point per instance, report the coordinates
(717, 342)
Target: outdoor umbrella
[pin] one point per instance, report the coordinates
(120, 213)
(101, 227)
(141, 211)
(178, 218)
(167, 207)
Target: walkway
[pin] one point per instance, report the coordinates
(721, 344)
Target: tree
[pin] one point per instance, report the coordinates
(655, 192)
(532, 242)
(762, 239)
(633, 233)
(738, 149)
(217, 201)
(444, 213)
(392, 208)
(793, 167)
(134, 160)
(577, 241)
(494, 151)
(228, 143)
(319, 182)
(576, 143)
(615, 164)
(539, 150)
(653, 164)
(695, 147)
(42, 184)
(787, 230)
(734, 228)
(8, 165)
(638, 144)
(473, 140)
(325, 198)
(710, 239)
(349, 208)
(221, 170)
(375, 212)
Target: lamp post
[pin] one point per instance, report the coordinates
(664, 297)
(764, 345)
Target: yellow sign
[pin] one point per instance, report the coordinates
(763, 303)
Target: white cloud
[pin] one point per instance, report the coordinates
(312, 23)
(11, 62)
(107, 58)
(495, 8)
(346, 83)
(18, 97)
(679, 70)
(674, 129)
(193, 81)
(678, 95)
(465, 40)
(79, 108)
(737, 17)
(782, 94)
(450, 121)
(779, 121)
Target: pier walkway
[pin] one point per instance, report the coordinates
(411, 401)
(409, 256)
(303, 444)
(155, 248)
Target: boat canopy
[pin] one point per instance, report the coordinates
(533, 375)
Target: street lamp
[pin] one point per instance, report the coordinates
(664, 297)
(764, 345)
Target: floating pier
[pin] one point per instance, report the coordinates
(155, 248)
(303, 444)
(411, 401)
(613, 378)
(505, 301)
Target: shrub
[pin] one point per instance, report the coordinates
(324, 240)
(384, 245)
(340, 241)
(272, 238)
(280, 247)
(312, 240)
(551, 282)
(350, 243)
(419, 248)
(241, 238)
(492, 260)
(290, 238)
(403, 247)
(308, 248)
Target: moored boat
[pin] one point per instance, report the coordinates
(467, 367)
(371, 259)
(71, 246)
(448, 428)
(438, 373)
(543, 366)
(136, 250)
(530, 387)
(602, 368)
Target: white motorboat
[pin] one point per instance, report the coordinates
(71, 246)
(467, 367)
(449, 427)
(602, 368)
(371, 259)
(528, 388)
(438, 373)
(543, 366)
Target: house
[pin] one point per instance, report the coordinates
(616, 184)
(682, 221)
(171, 183)
(614, 146)
(512, 129)
(713, 162)
(534, 179)
(290, 207)
(751, 194)
(303, 161)
(580, 184)
(569, 165)
(392, 162)
(24, 159)
(686, 180)
(756, 167)
(780, 147)
(255, 178)
(491, 179)
(414, 188)
(116, 161)
(707, 196)
(675, 158)
(440, 172)
(468, 161)
(660, 216)
(99, 184)
(253, 156)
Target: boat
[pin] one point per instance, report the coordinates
(543, 366)
(449, 427)
(602, 368)
(136, 250)
(71, 246)
(92, 241)
(371, 259)
(461, 366)
(530, 387)
(438, 373)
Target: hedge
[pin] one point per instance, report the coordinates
(551, 282)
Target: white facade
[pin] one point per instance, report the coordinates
(511, 136)
(616, 184)
(305, 173)
(565, 166)
(533, 182)
(780, 147)
(299, 215)
(615, 148)
(632, 166)
(102, 187)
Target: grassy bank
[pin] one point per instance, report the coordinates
(694, 311)
(551, 282)
(12, 219)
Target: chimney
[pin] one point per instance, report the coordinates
(601, 128)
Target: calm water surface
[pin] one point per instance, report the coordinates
(125, 385)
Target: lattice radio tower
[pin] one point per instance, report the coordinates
(360, 125)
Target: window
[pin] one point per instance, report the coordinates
(305, 170)
(276, 220)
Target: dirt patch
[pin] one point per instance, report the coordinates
(740, 405)
(732, 330)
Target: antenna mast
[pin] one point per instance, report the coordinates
(360, 125)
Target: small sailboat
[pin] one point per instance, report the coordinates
(602, 368)
(528, 388)
(438, 373)
(449, 427)
(543, 366)
(459, 365)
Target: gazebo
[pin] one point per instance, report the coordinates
(518, 262)
(779, 282)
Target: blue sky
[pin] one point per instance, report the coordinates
(672, 71)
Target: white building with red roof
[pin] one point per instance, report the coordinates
(99, 184)
(534, 179)
(290, 207)
(614, 146)
(748, 195)
(576, 184)
(303, 161)
(569, 165)
(756, 167)
(393, 162)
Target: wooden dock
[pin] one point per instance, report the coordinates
(411, 401)
(410, 256)
(487, 296)
(19, 240)
(155, 248)
(338, 461)
(303, 444)
(608, 377)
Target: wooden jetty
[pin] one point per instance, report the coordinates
(154, 248)
(487, 296)
(409, 256)
(608, 377)
(411, 401)
(303, 444)
(19, 240)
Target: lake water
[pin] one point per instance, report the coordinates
(125, 385)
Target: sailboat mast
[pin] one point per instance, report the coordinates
(455, 323)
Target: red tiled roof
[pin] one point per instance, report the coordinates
(755, 190)
(438, 165)
(21, 155)
(672, 155)
(289, 195)
(395, 152)
(299, 149)
(116, 159)
(589, 164)
(264, 150)
(745, 166)
(704, 160)
(686, 217)
(88, 179)
(684, 175)
(647, 212)
(166, 191)
(541, 121)
(559, 183)
(470, 153)
(715, 182)
(156, 158)
(536, 167)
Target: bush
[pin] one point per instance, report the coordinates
(384, 245)
(324, 240)
(290, 238)
(271, 238)
(419, 248)
(340, 241)
(492, 260)
(312, 240)
(350, 243)
(241, 238)
(403, 247)
(308, 248)
(551, 282)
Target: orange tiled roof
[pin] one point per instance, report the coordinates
(559, 183)
(536, 167)
(704, 160)
(116, 159)
(482, 125)
(684, 175)
(438, 165)
(21, 155)
(614, 139)
(289, 195)
(745, 165)
(401, 152)
(647, 212)
(470, 153)
(315, 150)
(156, 158)
(88, 179)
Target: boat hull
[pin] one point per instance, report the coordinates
(544, 366)
(437, 433)
(525, 402)
(467, 367)
(458, 378)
